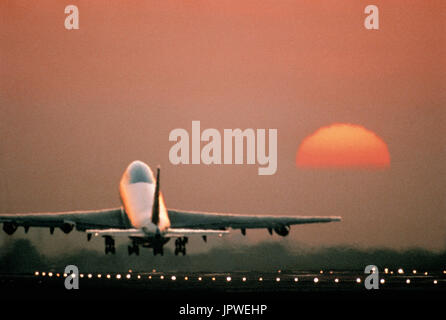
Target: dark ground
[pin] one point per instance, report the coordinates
(157, 290)
(22, 291)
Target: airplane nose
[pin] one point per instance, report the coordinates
(139, 172)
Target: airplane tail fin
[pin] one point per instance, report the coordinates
(156, 200)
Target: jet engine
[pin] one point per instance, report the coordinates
(9, 227)
(282, 231)
(67, 227)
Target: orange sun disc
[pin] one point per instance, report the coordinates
(343, 146)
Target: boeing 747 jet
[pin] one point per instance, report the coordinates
(146, 221)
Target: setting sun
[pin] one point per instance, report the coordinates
(343, 146)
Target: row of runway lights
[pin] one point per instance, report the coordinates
(228, 278)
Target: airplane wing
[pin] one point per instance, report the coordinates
(117, 232)
(169, 233)
(210, 220)
(82, 220)
(175, 232)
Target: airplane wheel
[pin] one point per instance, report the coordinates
(157, 250)
(109, 245)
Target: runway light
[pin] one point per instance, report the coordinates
(139, 276)
(82, 275)
(200, 278)
(43, 274)
(65, 275)
(391, 272)
(279, 271)
(337, 280)
(316, 280)
(50, 274)
(331, 272)
(296, 279)
(435, 281)
(150, 277)
(108, 276)
(408, 281)
(128, 276)
(414, 271)
(73, 275)
(99, 276)
(130, 270)
(386, 270)
(162, 277)
(36, 273)
(277, 279)
(228, 279)
(154, 270)
(260, 279)
(173, 278)
(213, 278)
(58, 275)
(358, 280)
(186, 278)
(444, 271)
(382, 281)
(321, 272)
(425, 273)
(244, 279)
(90, 275)
(400, 271)
(118, 276)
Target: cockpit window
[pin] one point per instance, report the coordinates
(140, 173)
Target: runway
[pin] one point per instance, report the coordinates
(282, 292)
(281, 281)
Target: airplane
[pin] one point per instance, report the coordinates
(146, 221)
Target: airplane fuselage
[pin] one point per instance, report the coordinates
(136, 189)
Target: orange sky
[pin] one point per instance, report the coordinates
(77, 106)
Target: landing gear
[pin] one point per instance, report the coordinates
(180, 246)
(158, 250)
(109, 245)
(156, 243)
(134, 248)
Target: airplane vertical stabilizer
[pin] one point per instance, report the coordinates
(156, 200)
